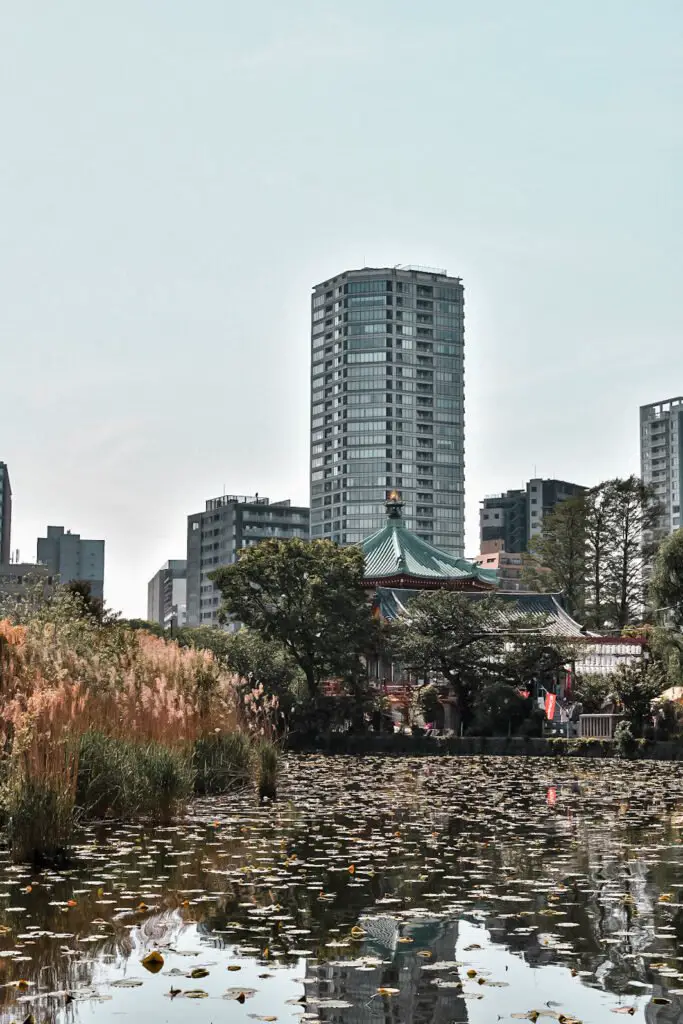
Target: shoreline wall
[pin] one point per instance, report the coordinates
(469, 746)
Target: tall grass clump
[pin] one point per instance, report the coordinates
(222, 761)
(98, 717)
(267, 758)
(119, 778)
(168, 779)
(39, 802)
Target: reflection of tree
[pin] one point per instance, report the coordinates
(296, 877)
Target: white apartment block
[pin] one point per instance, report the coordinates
(661, 437)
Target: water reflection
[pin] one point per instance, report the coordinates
(433, 890)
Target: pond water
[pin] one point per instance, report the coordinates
(405, 890)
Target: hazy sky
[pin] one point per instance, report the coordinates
(175, 176)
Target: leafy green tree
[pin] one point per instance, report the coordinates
(155, 628)
(635, 687)
(557, 562)
(666, 584)
(592, 690)
(534, 656)
(308, 597)
(498, 709)
(85, 600)
(204, 638)
(471, 644)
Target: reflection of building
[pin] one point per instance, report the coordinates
(422, 996)
(167, 594)
(387, 403)
(68, 556)
(215, 535)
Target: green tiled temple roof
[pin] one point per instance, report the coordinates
(545, 608)
(395, 552)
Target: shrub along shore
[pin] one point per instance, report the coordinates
(368, 744)
(98, 720)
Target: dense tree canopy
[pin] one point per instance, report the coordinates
(666, 585)
(472, 645)
(308, 597)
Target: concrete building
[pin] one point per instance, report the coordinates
(17, 577)
(661, 459)
(167, 594)
(387, 404)
(215, 535)
(515, 517)
(508, 565)
(69, 557)
(5, 513)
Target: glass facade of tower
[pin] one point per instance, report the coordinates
(387, 405)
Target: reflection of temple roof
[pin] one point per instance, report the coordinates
(552, 618)
(396, 555)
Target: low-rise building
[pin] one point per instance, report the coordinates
(17, 579)
(507, 565)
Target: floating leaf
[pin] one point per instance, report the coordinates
(239, 994)
(153, 962)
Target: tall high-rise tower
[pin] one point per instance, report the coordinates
(387, 404)
(661, 460)
(5, 513)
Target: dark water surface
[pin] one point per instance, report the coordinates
(377, 889)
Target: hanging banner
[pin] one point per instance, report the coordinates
(550, 702)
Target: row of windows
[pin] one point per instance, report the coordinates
(353, 439)
(366, 426)
(366, 313)
(367, 357)
(367, 287)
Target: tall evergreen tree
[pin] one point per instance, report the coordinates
(557, 556)
(632, 512)
(598, 532)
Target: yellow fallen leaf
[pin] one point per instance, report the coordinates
(153, 962)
